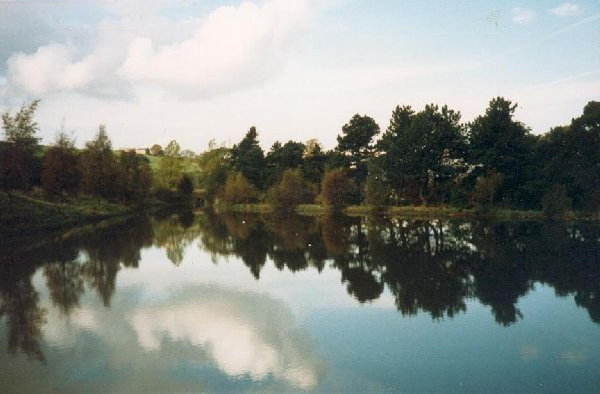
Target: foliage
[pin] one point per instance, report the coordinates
(137, 176)
(186, 186)
(423, 151)
(569, 156)
(289, 192)
(314, 161)
(248, 158)
(100, 172)
(171, 166)
(499, 143)
(187, 154)
(485, 190)
(556, 202)
(17, 156)
(156, 150)
(377, 192)
(282, 157)
(238, 189)
(60, 172)
(336, 189)
(356, 144)
(214, 168)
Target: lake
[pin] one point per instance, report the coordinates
(243, 303)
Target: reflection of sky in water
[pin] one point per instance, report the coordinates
(205, 326)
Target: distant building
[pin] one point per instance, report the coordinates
(138, 151)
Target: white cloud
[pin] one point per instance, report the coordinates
(566, 9)
(522, 16)
(233, 48)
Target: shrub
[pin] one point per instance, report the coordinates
(377, 192)
(485, 190)
(186, 186)
(238, 189)
(337, 189)
(286, 194)
(556, 201)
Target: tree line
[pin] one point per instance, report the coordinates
(423, 157)
(61, 170)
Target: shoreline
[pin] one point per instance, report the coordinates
(413, 212)
(27, 216)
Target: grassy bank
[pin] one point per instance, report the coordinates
(24, 214)
(417, 212)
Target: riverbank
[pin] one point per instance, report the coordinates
(25, 214)
(414, 212)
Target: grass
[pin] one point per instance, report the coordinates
(29, 213)
(416, 212)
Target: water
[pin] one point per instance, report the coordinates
(249, 303)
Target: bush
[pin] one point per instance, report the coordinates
(377, 192)
(238, 189)
(485, 190)
(186, 186)
(337, 189)
(286, 194)
(556, 201)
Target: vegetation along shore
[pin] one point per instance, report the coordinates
(426, 163)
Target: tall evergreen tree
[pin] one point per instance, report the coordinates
(499, 143)
(356, 145)
(248, 158)
(100, 175)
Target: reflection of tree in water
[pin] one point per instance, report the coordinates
(423, 267)
(109, 247)
(19, 303)
(428, 266)
(432, 266)
(290, 241)
(249, 241)
(65, 283)
(175, 232)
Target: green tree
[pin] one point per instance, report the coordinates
(556, 201)
(290, 191)
(314, 161)
(569, 156)
(356, 144)
(337, 189)
(397, 146)
(238, 189)
(485, 190)
(377, 191)
(156, 150)
(186, 186)
(100, 172)
(17, 156)
(60, 169)
(170, 168)
(214, 168)
(497, 142)
(282, 157)
(248, 158)
(423, 150)
(137, 176)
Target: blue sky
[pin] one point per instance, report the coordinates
(297, 69)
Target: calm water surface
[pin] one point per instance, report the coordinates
(249, 303)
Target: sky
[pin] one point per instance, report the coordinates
(196, 70)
